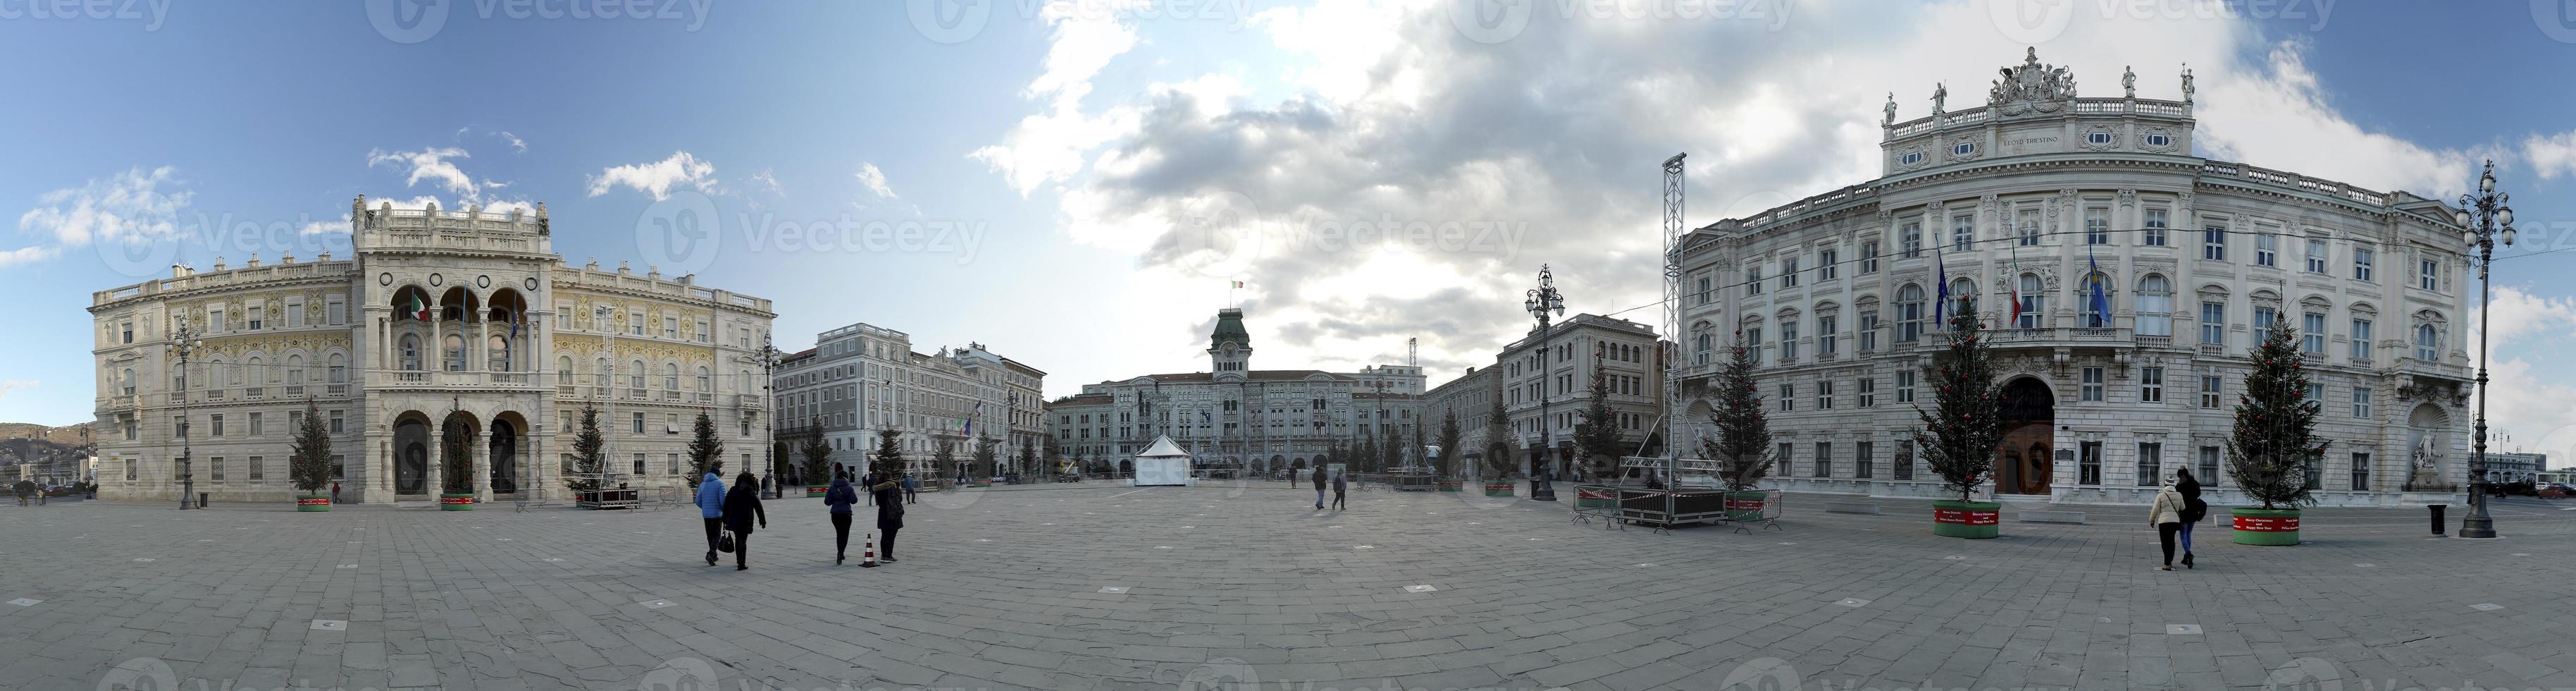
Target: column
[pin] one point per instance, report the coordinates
(437, 345)
(478, 455)
(431, 472)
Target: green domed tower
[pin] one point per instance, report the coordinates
(1230, 347)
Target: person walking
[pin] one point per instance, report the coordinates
(840, 497)
(1341, 482)
(889, 512)
(2193, 509)
(911, 488)
(711, 502)
(335, 493)
(2166, 516)
(741, 507)
(867, 480)
(1319, 489)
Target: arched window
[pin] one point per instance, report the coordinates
(1909, 314)
(452, 350)
(2095, 315)
(258, 368)
(705, 384)
(295, 370)
(411, 352)
(2034, 302)
(1703, 344)
(601, 377)
(496, 353)
(2428, 343)
(128, 381)
(1963, 290)
(635, 375)
(339, 368)
(670, 377)
(563, 370)
(2155, 306)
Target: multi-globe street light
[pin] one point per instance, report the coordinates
(1543, 300)
(185, 335)
(2485, 220)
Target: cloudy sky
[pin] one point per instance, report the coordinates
(1077, 184)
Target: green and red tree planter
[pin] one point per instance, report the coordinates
(1742, 446)
(2275, 443)
(1963, 428)
(309, 466)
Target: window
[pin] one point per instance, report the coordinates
(1825, 265)
(215, 425)
(2213, 243)
(2267, 249)
(2151, 385)
(1904, 461)
(1825, 326)
(1703, 290)
(1824, 459)
(1753, 344)
(1789, 272)
(258, 468)
(1788, 397)
(1909, 314)
(295, 315)
(339, 466)
(2316, 255)
(2097, 225)
(2154, 236)
(1788, 340)
(131, 471)
(2098, 318)
(1861, 460)
(1753, 279)
(2429, 275)
(1963, 148)
(2026, 227)
(1910, 240)
(639, 429)
(2089, 459)
(257, 320)
(1911, 158)
(2316, 394)
(635, 327)
(639, 462)
(2159, 141)
(1904, 386)
(2263, 319)
(1701, 346)
(1869, 257)
(671, 327)
(2360, 471)
(335, 311)
(2208, 466)
(256, 428)
(2428, 344)
(2361, 402)
(2213, 323)
(2155, 306)
(670, 376)
(672, 462)
(1963, 233)
(2097, 137)
(2361, 339)
(215, 469)
(1868, 392)
(2150, 464)
(129, 332)
(2360, 264)
(215, 319)
(1825, 395)
(1782, 463)
(335, 422)
(2092, 387)
(2034, 302)
(2312, 333)
(1963, 290)
(2210, 387)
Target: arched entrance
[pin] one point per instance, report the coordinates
(505, 454)
(2022, 464)
(411, 454)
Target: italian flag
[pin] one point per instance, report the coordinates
(1238, 284)
(419, 311)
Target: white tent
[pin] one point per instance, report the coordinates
(1164, 463)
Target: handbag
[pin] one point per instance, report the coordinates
(724, 542)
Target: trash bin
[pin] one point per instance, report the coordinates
(201, 500)
(2437, 517)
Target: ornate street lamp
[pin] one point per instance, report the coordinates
(2485, 219)
(1541, 301)
(188, 342)
(768, 354)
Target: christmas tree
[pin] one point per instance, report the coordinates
(587, 457)
(2275, 441)
(1742, 447)
(310, 466)
(706, 452)
(455, 457)
(889, 458)
(943, 457)
(987, 457)
(1965, 425)
(1598, 437)
(1028, 459)
(817, 465)
(1498, 435)
(1449, 444)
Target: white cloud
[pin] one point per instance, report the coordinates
(27, 255)
(657, 178)
(2551, 156)
(516, 144)
(8, 385)
(135, 206)
(1388, 113)
(430, 164)
(765, 181)
(875, 180)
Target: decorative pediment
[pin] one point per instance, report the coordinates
(2031, 88)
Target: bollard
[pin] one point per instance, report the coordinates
(201, 500)
(2437, 517)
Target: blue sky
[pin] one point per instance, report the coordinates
(1086, 148)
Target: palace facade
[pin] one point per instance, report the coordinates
(2041, 197)
(441, 318)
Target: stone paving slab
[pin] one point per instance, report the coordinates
(1001, 590)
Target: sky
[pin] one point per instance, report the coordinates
(1078, 184)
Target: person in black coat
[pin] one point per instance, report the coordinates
(889, 494)
(838, 499)
(2193, 509)
(741, 507)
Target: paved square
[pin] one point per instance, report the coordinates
(1263, 589)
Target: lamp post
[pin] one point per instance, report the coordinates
(768, 378)
(186, 335)
(1541, 301)
(2485, 219)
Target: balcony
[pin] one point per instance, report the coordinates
(416, 379)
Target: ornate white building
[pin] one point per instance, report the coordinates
(441, 315)
(1261, 419)
(2036, 197)
(1545, 383)
(861, 379)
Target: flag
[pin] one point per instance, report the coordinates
(419, 311)
(2100, 306)
(2012, 280)
(1238, 284)
(510, 347)
(1942, 303)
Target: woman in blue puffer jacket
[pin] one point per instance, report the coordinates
(711, 493)
(840, 497)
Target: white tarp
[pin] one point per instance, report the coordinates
(1163, 463)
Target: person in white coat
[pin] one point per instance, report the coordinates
(2166, 516)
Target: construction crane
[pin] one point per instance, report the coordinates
(1671, 351)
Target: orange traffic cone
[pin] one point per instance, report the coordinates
(868, 555)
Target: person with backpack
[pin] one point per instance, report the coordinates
(711, 501)
(889, 511)
(2166, 516)
(1341, 482)
(2193, 509)
(741, 507)
(1319, 489)
(839, 498)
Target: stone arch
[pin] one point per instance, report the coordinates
(2023, 464)
(506, 445)
(412, 452)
